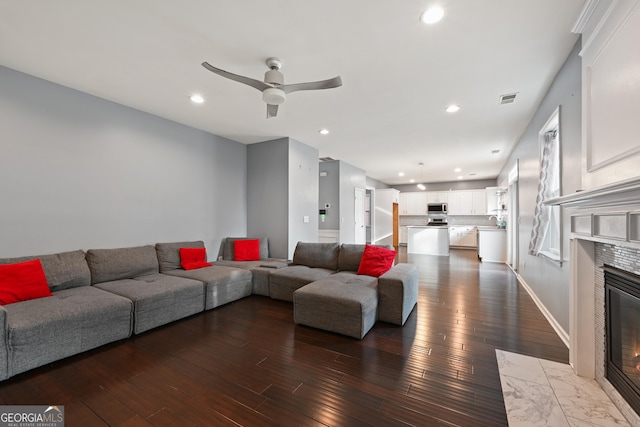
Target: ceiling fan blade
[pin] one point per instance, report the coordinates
(242, 79)
(323, 84)
(272, 110)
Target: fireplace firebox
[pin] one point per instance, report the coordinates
(622, 316)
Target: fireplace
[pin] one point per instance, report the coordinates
(622, 318)
(605, 231)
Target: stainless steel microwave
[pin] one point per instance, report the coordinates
(437, 208)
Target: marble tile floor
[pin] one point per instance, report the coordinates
(539, 392)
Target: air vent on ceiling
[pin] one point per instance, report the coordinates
(508, 99)
(326, 159)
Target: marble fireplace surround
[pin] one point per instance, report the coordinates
(605, 228)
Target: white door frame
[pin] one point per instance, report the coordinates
(513, 225)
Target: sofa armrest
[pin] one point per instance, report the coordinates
(397, 293)
(4, 345)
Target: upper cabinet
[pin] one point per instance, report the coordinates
(438, 196)
(468, 202)
(413, 203)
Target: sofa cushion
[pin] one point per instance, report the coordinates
(284, 281)
(63, 270)
(228, 245)
(71, 321)
(22, 281)
(193, 258)
(352, 278)
(333, 306)
(221, 284)
(376, 261)
(350, 256)
(123, 263)
(168, 254)
(246, 250)
(158, 299)
(318, 255)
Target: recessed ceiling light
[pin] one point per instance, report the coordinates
(457, 170)
(324, 131)
(197, 99)
(461, 177)
(422, 187)
(400, 173)
(453, 108)
(412, 180)
(432, 15)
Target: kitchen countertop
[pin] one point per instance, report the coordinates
(490, 228)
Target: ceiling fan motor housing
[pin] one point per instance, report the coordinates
(274, 78)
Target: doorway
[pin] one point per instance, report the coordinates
(359, 215)
(368, 214)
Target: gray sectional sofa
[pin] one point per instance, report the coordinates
(105, 295)
(327, 293)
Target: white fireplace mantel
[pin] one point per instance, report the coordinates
(617, 195)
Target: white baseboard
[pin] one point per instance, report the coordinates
(564, 336)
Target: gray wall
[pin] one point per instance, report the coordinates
(282, 190)
(477, 184)
(329, 193)
(80, 172)
(374, 183)
(268, 194)
(338, 189)
(549, 281)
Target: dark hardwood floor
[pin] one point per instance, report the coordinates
(248, 364)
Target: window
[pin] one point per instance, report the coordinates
(546, 235)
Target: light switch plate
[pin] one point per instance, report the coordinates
(305, 218)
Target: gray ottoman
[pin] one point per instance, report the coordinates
(333, 306)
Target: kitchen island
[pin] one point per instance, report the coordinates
(428, 240)
(492, 244)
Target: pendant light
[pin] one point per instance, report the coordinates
(421, 185)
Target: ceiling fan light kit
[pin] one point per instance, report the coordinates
(273, 96)
(273, 88)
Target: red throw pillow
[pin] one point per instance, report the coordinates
(22, 281)
(376, 261)
(192, 258)
(246, 250)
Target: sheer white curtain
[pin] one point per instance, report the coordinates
(545, 192)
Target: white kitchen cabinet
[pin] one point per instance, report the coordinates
(402, 204)
(468, 202)
(492, 244)
(437, 197)
(413, 203)
(463, 236)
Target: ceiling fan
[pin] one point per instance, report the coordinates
(274, 91)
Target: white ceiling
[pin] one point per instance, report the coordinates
(398, 74)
